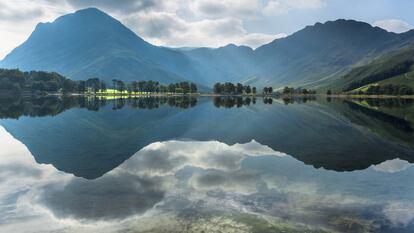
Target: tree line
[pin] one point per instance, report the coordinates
(400, 68)
(297, 91)
(389, 89)
(154, 86)
(229, 88)
(14, 81)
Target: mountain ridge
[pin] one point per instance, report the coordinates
(90, 43)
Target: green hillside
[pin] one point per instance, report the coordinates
(393, 69)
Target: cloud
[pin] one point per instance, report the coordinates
(168, 29)
(392, 166)
(399, 213)
(19, 18)
(111, 197)
(277, 7)
(226, 8)
(305, 4)
(14, 13)
(255, 40)
(166, 158)
(393, 25)
(274, 8)
(124, 6)
(178, 180)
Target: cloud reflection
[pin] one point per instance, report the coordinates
(180, 182)
(392, 166)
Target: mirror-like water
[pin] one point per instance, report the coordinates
(206, 165)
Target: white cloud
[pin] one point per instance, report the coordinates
(168, 29)
(392, 166)
(399, 213)
(305, 4)
(19, 18)
(255, 40)
(276, 7)
(166, 158)
(393, 25)
(226, 8)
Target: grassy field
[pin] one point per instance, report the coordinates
(406, 79)
(116, 92)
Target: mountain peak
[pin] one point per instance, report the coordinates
(91, 12)
(232, 46)
(346, 24)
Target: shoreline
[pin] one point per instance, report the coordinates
(278, 96)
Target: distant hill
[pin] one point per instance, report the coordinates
(90, 43)
(229, 63)
(395, 68)
(320, 54)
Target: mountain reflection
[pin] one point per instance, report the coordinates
(336, 135)
(197, 185)
(394, 121)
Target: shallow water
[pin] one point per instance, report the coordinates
(212, 165)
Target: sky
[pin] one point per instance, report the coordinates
(206, 23)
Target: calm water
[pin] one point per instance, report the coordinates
(206, 165)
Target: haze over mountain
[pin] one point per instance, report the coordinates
(90, 43)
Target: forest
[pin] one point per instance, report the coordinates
(16, 82)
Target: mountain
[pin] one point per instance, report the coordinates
(91, 43)
(103, 138)
(319, 54)
(395, 68)
(229, 63)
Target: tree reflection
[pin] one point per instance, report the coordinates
(16, 107)
(299, 100)
(233, 101)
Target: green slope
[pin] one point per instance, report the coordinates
(396, 68)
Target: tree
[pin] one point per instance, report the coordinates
(270, 90)
(329, 92)
(103, 86)
(254, 90)
(239, 88)
(248, 90)
(217, 88)
(265, 90)
(171, 88)
(185, 87)
(120, 86)
(94, 84)
(81, 87)
(68, 86)
(193, 88)
(114, 84)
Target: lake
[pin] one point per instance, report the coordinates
(224, 164)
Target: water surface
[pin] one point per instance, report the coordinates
(206, 165)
